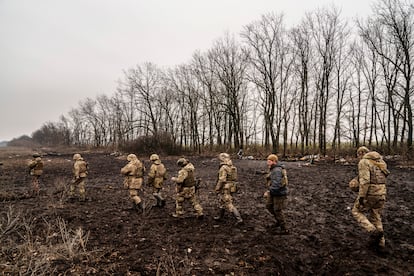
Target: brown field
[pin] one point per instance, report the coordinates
(104, 236)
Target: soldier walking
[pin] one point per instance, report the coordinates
(80, 172)
(276, 195)
(185, 188)
(227, 176)
(372, 174)
(36, 170)
(156, 176)
(134, 173)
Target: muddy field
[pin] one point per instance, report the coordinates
(104, 236)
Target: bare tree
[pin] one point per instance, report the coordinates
(204, 69)
(326, 28)
(231, 64)
(396, 17)
(145, 83)
(186, 87)
(301, 44)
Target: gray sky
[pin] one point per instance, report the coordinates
(55, 53)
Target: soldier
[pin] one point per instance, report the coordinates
(80, 172)
(372, 174)
(134, 173)
(227, 176)
(276, 195)
(36, 170)
(185, 188)
(156, 177)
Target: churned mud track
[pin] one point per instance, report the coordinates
(324, 238)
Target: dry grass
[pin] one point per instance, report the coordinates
(25, 252)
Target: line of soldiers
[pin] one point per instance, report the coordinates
(226, 185)
(370, 185)
(185, 184)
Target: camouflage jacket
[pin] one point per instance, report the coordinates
(372, 173)
(36, 166)
(185, 176)
(80, 168)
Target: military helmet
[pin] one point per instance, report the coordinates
(362, 150)
(77, 156)
(182, 162)
(224, 156)
(154, 157)
(131, 157)
(35, 155)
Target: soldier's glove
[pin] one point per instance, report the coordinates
(361, 201)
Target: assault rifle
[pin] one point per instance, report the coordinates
(262, 172)
(197, 184)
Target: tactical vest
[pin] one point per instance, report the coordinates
(37, 169)
(232, 174)
(137, 171)
(38, 166)
(160, 171)
(377, 176)
(83, 167)
(189, 181)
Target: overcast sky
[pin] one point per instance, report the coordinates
(55, 53)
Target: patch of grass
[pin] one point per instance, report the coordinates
(25, 252)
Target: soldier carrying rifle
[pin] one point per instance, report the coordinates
(186, 188)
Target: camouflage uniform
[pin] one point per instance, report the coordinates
(372, 173)
(185, 188)
(36, 170)
(134, 173)
(276, 196)
(156, 176)
(226, 186)
(80, 172)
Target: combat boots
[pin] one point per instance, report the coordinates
(138, 207)
(238, 217)
(160, 201)
(375, 237)
(220, 215)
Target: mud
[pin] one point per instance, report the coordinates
(324, 239)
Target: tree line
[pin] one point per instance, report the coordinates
(321, 84)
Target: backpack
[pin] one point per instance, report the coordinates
(161, 172)
(233, 178)
(284, 181)
(233, 174)
(83, 167)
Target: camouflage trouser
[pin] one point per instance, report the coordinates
(80, 184)
(275, 205)
(226, 200)
(189, 194)
(374, 206)
(35, 184)
(134, 196)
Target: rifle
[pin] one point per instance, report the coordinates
(197, 184)
(262, 172)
